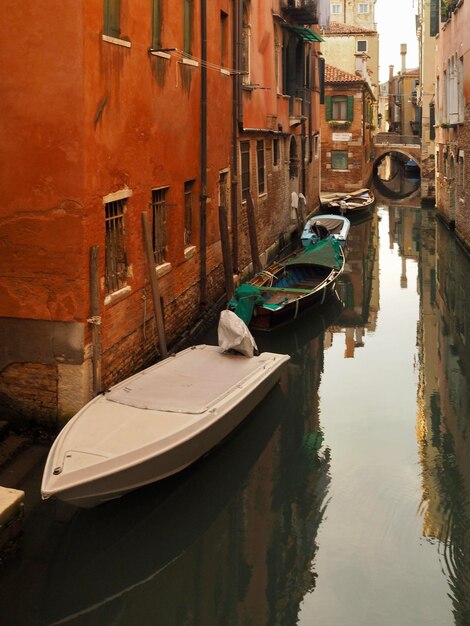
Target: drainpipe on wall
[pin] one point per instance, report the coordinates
(203, 191)
(236, 96)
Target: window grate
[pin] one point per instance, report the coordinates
(116, 260)
(188, 211)
(245, 169)
(159, 234)
(260, 160)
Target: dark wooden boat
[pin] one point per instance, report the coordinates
(350, 204)
(285, 289)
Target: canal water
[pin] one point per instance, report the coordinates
(343, 500)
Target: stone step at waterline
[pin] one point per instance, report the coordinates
(11, 516)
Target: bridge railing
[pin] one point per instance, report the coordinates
(386, 139)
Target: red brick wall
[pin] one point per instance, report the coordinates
(360, 165)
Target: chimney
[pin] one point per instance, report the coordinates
(390, 72)
(403, 49)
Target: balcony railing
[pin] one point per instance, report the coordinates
(387, 139)
(300, 11)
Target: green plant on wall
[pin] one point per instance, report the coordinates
(339, 123)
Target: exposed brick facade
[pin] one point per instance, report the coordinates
(353, 137)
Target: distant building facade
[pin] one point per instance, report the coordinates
(354, 49)
(426, 32)
(452, 107)
(403, 110)
(347, 140)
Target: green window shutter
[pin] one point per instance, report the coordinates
(434, 18)
(321, 79)
(350, 108)
(328, 108)
(432, 121)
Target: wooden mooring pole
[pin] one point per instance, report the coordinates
(226, 253)
(250, 212)
(157, 304)
(95, 319)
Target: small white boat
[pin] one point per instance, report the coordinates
(352, 203)
(322, 226)
(156, 423)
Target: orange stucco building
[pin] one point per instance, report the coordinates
(118, 108)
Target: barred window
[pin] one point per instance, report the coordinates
(188, 211)
(245, 159)
(260, 163)
(159, 234)
(275, 151)
(116, 259)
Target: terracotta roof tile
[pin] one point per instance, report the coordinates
(337, 28)
(335, 75)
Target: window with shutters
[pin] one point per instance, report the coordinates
(339, 107)
(434, 18)
(112, 18)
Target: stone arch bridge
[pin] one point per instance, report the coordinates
(408, 145)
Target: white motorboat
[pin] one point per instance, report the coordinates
(321, 226)
(156, 423)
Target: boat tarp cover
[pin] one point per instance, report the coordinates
(325, 253)
(245, 299)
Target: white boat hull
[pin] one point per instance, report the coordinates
(337, 225)
(156, 423)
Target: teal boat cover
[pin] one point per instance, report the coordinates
(245, 299)
(325, 253)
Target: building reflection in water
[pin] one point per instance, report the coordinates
(236, 532)
(358, 287)
(394, 179)
(444, 404)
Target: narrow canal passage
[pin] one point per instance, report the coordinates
(341, 501)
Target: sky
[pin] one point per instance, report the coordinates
(396, 24)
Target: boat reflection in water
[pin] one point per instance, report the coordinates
(358, 286)
(444, 405)
(245, 516)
